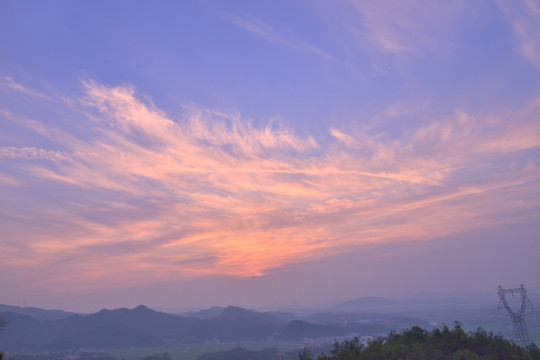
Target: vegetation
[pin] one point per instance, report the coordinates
(2, 325)
(162, 356)
(240, 353)
(417, 343)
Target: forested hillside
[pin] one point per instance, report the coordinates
(417, 343)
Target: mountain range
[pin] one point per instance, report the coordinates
(144, 327)
(33, 329)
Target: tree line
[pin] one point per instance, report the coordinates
(438, 344)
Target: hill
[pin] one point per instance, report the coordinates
(36, 313)
(439, 344)
(144, 327)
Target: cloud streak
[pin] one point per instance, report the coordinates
(525, 17)
(142, 196)
(18, 87)
(267, 32)
(405, 27)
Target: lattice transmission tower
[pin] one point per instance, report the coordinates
(518, 317)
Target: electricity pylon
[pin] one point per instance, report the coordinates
(518, 317)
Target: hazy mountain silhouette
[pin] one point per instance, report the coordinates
(238, 313)
(36, 313)
(439, 301)
(144, 327)
(205, 314)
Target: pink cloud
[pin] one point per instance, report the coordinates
(525, 18)
(402, 26)
(213, 194)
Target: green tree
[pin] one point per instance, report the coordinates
(439, 344)
(2, 326)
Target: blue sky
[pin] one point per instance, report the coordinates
(190, 146)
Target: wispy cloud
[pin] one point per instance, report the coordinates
(31, 153)
(405, 26)
(154, 197)
(269, 33)
(525, 18)
(18, 87)
(7, 180)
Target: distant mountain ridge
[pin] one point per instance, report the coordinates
(36, 313)
(32, 329)
(205, 314)
(238, 312)
(440, 302)
(144, 327)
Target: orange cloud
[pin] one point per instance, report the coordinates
(156, 198)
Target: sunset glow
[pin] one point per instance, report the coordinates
(420, 122)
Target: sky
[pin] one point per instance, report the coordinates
(185, 154)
